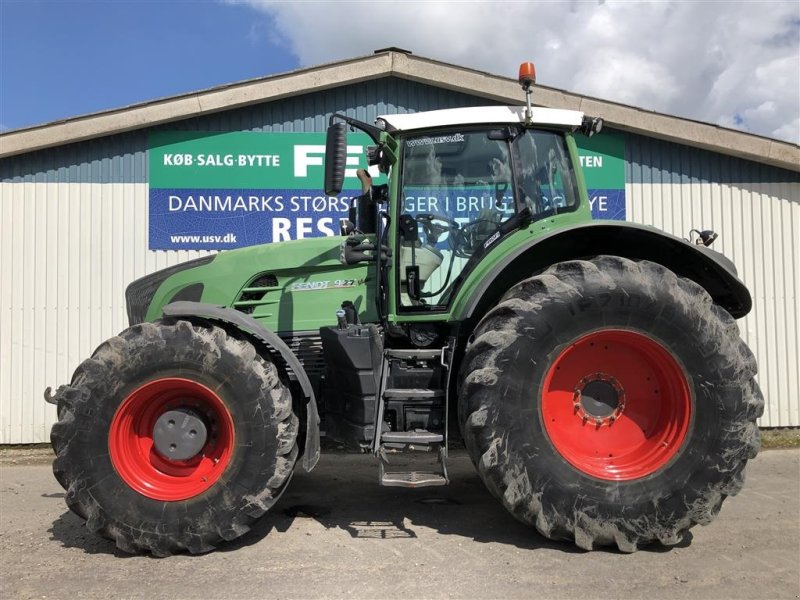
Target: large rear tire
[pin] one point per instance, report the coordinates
(610, 402)
(239, 443)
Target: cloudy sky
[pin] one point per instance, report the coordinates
(736, 64)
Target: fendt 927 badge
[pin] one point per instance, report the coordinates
(593, 369)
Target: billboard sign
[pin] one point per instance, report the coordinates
(216, 191)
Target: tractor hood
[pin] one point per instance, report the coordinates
(286, 286)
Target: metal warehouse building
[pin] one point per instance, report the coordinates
(83, 211)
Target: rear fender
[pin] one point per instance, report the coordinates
(278, 351)
(710, 269)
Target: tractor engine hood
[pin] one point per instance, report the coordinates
(287, 286)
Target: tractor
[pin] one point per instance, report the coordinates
(593, 370)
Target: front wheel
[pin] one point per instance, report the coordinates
(610, 402)
(174, 437)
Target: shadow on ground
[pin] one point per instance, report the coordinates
(343, 493)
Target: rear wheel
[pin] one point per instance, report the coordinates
(610, 402)
(174, 437)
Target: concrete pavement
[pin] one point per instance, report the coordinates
(336, 533)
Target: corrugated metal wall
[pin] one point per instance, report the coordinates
(69, 250)
(756, 210)
(73, 233)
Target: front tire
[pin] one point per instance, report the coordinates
(239, 447)
(610, 402)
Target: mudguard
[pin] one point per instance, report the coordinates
(277, 349)
(710, 269)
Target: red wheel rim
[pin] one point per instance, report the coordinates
(642, 422)
(142, 467)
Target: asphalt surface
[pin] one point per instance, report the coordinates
(336, 534)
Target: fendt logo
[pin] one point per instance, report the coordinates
(313, 155)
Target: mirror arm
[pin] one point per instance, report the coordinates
(372, 131)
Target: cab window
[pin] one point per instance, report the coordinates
(457, 189)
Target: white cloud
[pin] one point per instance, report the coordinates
(732, 63)
(788, 131)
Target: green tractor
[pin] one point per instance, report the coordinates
(593, 369)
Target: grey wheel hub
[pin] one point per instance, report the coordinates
(599, 399)
(179, 434)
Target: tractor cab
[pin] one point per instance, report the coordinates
(461, 181)
(461, 190)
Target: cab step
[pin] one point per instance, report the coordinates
(413, 393)
(421, 438)
(412, 479)
(414, 353)
(411, 472)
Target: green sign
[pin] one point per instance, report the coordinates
(602, 159)
(245, 160)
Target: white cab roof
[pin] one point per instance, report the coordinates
(513, 115)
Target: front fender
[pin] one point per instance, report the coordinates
(710, 269)
(277, 349)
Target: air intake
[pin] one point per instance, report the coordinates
(255, 293)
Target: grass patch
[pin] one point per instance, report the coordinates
(788, 437)
(26, 454)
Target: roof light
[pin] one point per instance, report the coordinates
(527, 75)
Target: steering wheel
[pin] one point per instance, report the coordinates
(459, 238)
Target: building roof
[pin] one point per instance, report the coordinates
(393, 62)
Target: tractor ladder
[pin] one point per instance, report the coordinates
(411, 417)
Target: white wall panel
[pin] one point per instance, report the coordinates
(69, 250)
(759, 227)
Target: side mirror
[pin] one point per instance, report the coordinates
(335, 158)
(591, 125)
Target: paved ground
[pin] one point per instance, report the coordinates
(372, 542)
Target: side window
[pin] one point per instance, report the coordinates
(547, 179)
